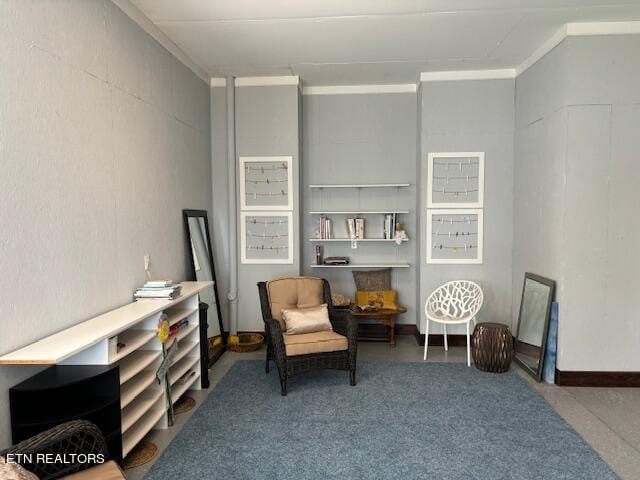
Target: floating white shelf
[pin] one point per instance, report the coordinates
(365, 265)
(136, 362)
(142, 427)
(357, 212)
(359, 185)
(133, 339)
(134, 387)
(180, 388)
(176, 314)
(139, 407)
(353, 240)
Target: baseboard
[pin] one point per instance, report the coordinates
(437, 340)
(597, 379)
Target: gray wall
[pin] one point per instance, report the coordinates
(361, 138)
(266, 124)
(104, 139)
(575, 220)
(473, 115)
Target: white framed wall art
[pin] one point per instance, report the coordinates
(455, 180)
(454, 236)
(266, 183)
(266, 237)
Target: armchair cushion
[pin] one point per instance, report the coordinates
(318, 342)
(306, 320)
(294, 292)
(13, 471)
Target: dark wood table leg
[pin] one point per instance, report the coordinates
(392, 331)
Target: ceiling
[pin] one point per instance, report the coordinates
(347, 42)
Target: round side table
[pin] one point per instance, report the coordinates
(492, 347)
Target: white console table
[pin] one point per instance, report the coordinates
(143, 402)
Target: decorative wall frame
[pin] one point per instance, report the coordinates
(455, 180)
(455, 236)
(266, 183)
(266, 237)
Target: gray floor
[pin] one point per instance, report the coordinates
(607, 418)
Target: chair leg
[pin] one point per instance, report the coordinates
(468, 347)
(426, 339)
(283, 387)
(352, 377)
(266, 367)
(446, 342)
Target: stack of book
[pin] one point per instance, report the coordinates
(324, 231)
(157, 289)
(389, 226)
(336, 261)
(355, 228)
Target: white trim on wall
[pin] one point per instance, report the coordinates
(218, 82)
(267, 81)
(468, 75)
(359, 89)
(152, 29)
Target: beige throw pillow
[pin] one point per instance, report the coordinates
(306, 320)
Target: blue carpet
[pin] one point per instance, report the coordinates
(402, 421)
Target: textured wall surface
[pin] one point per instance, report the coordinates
(266, 125)
(104, 139)
(360, 138)
(473, 116)
(576, 195)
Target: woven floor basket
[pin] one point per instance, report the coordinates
(249, 342)
(492, 347)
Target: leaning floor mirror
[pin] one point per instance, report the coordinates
(533, 323)
(198, 246)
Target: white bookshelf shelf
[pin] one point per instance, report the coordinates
(141, 405)
(365, 265)
(185, 331)
(143, 426)
(183, 350)
(182, 367)
(358, 185)
(358, 212)
(179, 389)
(174, 315)
(353, 240)
(133, 340)
(136, 362)
(134, 387)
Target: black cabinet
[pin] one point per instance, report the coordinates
(62, 393)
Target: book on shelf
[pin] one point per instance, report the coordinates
(359, 228)
(336, 261)
(324, 230)
(351, 228)
(154, 290)
(158, 284)
(389, 226)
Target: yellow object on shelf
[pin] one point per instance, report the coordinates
(234, 340)
(378, 299)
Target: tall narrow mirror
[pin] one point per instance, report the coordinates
(198, 246)
(533, 323)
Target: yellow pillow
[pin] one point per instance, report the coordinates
(377, 298)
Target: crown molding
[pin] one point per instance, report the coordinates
(218, 82)
(359, 89)
(135, 14)
(454, 75)
(267, 81)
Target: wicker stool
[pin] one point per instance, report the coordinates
(492, 347)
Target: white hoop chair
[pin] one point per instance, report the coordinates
(453, 303)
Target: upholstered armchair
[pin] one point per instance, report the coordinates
(298, 353)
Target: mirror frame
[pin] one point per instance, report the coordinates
(186, 215)
(537, 374)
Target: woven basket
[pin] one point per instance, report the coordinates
(249, 342)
